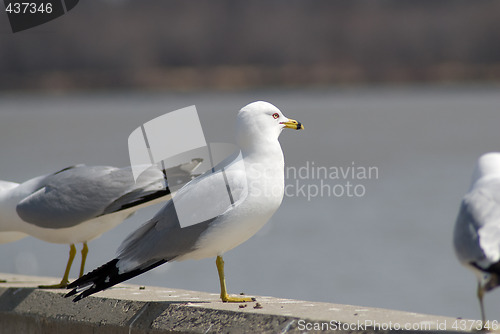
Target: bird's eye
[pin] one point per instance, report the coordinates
(275, 115)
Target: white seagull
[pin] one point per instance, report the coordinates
(79, 203)
(255, 184)
(477, 229)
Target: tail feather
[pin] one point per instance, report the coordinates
(104, 277)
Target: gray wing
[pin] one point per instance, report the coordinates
(477, 228)
(161, 238)
(79, 193)
(151, 184)
(164, 237)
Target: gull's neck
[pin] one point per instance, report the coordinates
(8, 216)
(263, 151)
(264, 169)
(481, 175)
(10, 196)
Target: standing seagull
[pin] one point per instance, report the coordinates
(477, 229)
(79, 203)
(257, 188)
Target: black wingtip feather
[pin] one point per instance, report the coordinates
(104, 277)
(91, 276)
(144, 199)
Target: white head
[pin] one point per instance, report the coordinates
(260, 122)
(488, 164)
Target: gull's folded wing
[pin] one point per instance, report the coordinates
(477, 230)
(79, 193)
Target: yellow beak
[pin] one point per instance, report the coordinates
(293, 124)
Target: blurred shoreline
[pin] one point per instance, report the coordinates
(234, 45)
(229, 78)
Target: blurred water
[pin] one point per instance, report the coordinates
(389, 248)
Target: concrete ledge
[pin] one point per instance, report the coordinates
(135, 309)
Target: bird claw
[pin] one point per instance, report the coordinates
(229, 299)
(61, 285)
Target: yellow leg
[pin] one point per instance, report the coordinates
(64, 282)
(480, 295)
(85, 251)
(223, 292)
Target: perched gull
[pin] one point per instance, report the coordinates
(79, 203)
(477, 229)
(164, 239)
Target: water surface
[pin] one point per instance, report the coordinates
(389, 246)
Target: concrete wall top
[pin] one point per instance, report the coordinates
(134, 309)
